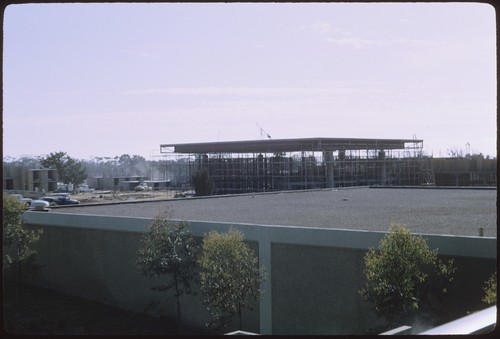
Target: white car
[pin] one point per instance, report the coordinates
(19, 197)
(142, 187)
(85, 188)
(39, 205)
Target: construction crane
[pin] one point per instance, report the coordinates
(262, 132)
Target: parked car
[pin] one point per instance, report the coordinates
(19, 197)
(185, 194)
(61, 194)
(142, 187)
(51, 200)
(84, 188)
(66, 200)
(62, 187)
(60, 199)
(39, 205)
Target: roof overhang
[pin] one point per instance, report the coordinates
(289, 145)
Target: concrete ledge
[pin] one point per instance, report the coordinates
(479, 247)
(430, 187)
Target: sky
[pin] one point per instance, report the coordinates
(111, 79)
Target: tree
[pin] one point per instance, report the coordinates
(139, 165)
(132, 165)
(490, 290)
(168, 249)
(17, 241)
(68, 169)
(202, 184)
(229, 276)
(404, 277)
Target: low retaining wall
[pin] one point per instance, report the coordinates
(314, 273)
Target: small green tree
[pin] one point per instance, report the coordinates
(229, 276)
(18, 254)
(69, 170)
(404, 276)
(202, 183)
(490, 290)
(169, 249)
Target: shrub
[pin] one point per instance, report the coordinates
(404, 278)
(16, 237)
(490, 290)
(19, 256)
(229, 276)
(168, 249)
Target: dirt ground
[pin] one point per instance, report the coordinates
(112, 196)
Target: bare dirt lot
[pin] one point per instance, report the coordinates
(117, 196)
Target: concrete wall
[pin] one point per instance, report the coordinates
(302, 303)
(314, 273)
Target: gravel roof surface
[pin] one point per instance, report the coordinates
(427, 211)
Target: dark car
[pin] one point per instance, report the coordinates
(60, 200)
(66, 200)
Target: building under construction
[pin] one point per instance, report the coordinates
(296, 164)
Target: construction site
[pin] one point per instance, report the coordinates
(270, 165)
(298, 164)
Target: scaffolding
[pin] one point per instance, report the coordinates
(298, 164)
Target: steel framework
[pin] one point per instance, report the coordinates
(296, 164)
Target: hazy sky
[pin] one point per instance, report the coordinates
(112, 79)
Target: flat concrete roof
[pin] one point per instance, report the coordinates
(289, 145)
(427, 211)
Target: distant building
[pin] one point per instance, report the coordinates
(33, 180)
(466, 171)
(309, 163)
(296, 164)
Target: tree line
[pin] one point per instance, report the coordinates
(74, 171)
(123, 165)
